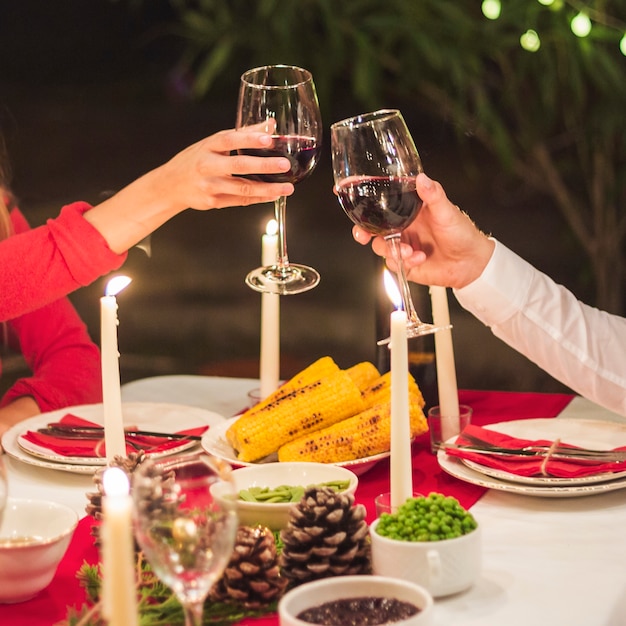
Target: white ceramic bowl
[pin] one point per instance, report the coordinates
(443, 567)
(315, 593)
(276, 515)
(34, 536)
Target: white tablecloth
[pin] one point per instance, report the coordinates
(547, 561)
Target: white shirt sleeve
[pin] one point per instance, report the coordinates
(579, 345)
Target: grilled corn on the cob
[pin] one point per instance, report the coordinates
(379, 391)
(264, 428)
(356, 437)
(363, 374)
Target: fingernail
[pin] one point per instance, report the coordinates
(427, 183)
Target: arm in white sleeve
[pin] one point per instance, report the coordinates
(579, 345)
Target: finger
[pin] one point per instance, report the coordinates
(361, 236)
(244, 164)
(250, 137)
(246, 189)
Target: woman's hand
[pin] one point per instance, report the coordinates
(206, 175)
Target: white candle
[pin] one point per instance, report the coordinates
(270, 318)
(446, 371)
(119, 585)
(111, 392)
(400, 465)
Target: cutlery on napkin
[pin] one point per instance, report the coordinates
(546, 459)
(82, 444)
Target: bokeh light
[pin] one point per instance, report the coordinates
(530, 41)
(491, 9)
(581, 25)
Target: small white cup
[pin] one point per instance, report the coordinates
(442, 567)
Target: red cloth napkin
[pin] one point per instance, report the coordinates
(95, 448)
(530, 466)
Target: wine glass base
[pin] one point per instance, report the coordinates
(415, 329)
(284, 281)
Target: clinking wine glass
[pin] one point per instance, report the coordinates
(284, 98)
(186, 535)
(375, 163)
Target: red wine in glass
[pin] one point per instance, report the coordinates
(375, 163)
(382, 205)
(303, 154)
(283, 99)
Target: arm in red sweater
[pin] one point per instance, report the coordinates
(54, 341)
(41, 265)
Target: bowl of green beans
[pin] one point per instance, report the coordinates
(431, 541)
(267, 491)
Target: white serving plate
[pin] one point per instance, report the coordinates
(214, 442)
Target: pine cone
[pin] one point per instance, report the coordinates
(326, 536)
(94, 499)
(252, 577)
(149, 490)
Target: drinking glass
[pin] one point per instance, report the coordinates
(375, 163)
(284, 98)
(186, 535)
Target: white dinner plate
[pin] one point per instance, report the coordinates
(595, 434)
(154, 416)
(214, 442)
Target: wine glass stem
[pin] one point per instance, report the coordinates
(193, 613)
(393, 243)
(280, 206)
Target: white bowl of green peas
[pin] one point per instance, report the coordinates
(266, 492)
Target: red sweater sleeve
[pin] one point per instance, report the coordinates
(64, 362)
(54, 341)
(41, 265)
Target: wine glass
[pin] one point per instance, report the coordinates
(375, 163)
(186, 535)
(284, 98)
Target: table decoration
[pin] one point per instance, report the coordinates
(186, 534)
(148, 416)
(270, 317)
(551, 461)
(65, 591)
(111, 391)
(401, 480)
(446, 371)
(119, 601)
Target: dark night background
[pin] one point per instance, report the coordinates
(89, 100)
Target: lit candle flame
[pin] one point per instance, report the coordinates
(391, 287)
(117, 284)
(272, 227)
(115, 482)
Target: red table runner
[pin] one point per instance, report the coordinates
(51, 605)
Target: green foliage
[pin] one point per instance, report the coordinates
(157, 604)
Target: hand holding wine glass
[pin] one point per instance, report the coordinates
(375, 163)
(186, 535)
(284, 98)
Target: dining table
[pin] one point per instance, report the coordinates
(546, 560)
